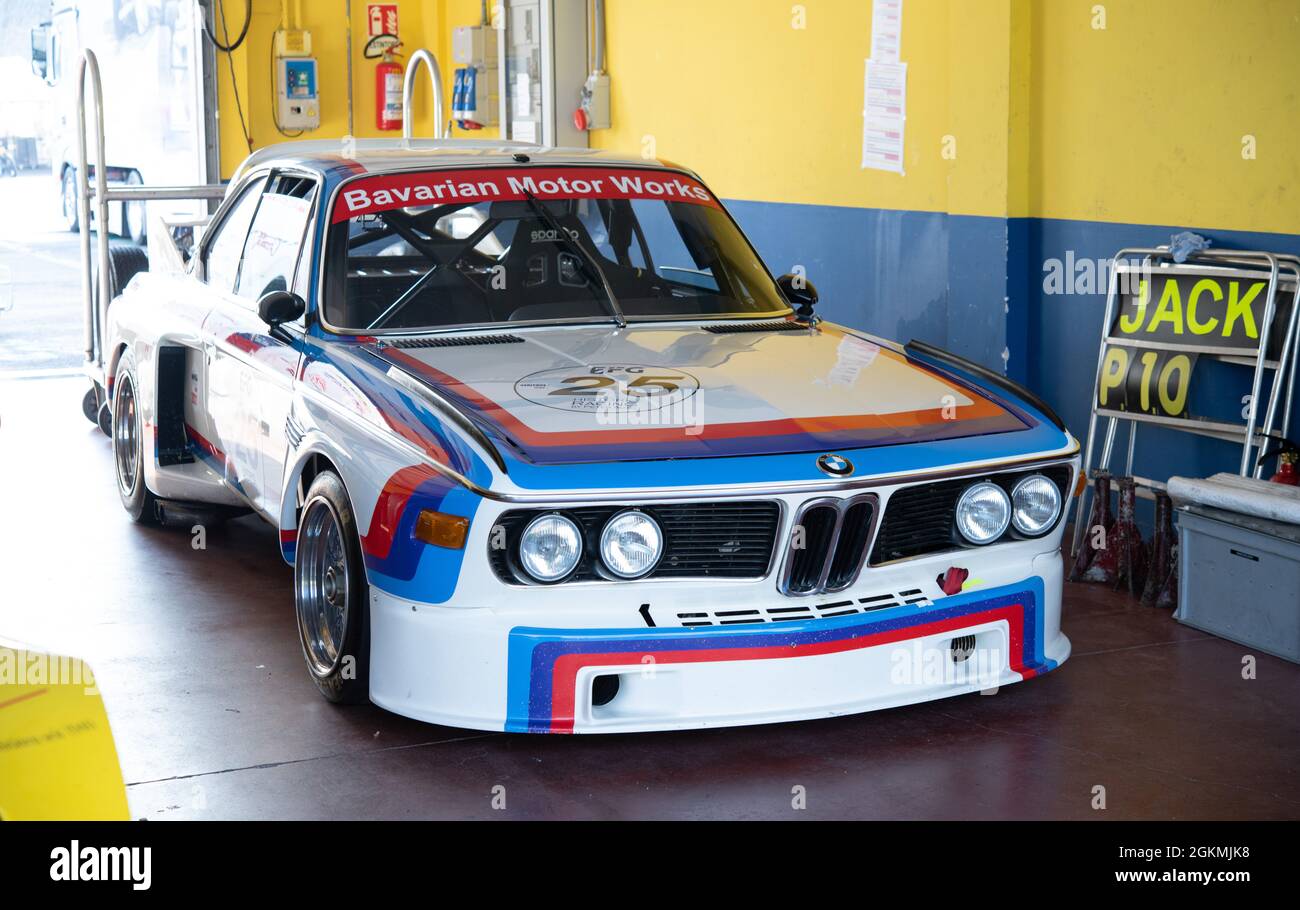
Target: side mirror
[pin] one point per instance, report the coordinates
(40, 51)
(279, 307)
(801, 294)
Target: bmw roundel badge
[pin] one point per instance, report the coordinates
(835, 465)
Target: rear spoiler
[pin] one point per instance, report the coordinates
(921, 349)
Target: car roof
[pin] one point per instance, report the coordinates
(377, 156)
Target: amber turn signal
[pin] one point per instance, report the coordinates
(1080, 484)
(441, 529)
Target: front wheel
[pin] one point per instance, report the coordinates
(331, 595)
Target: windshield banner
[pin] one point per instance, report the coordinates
(384, 192)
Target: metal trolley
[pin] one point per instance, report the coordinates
(1283, 275)
(97, 289)
(96, 268)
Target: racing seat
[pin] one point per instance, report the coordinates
(552, 284)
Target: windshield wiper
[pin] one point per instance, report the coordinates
(586, 262)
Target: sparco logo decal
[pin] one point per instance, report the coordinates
(543, 236)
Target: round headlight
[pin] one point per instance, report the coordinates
(983, 512)
(630, 544)
(1035, 504)
(550, 547)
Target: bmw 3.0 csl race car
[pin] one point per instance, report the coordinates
(549, 449)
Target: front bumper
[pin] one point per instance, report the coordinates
(483, 669)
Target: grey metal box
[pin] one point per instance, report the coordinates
(1240, 579)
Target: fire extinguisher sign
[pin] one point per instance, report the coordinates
(382, 18)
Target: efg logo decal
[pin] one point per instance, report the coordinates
(835, 465)
(608, 388)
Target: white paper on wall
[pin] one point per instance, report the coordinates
(884, 116)
(886, 89)
(886, 30)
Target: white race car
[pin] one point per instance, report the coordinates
(550, 450)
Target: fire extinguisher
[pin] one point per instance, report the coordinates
(1288, 453)
(388, 91)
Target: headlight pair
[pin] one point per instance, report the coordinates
(985, 510)
(551, 546)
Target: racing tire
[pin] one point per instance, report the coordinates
(90, 403)
(128, 446)
(331, 595)
(134, 216)
(125, 261)
(71, 210)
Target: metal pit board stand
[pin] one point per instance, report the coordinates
(1280, 269)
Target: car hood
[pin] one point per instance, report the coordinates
(595, 394)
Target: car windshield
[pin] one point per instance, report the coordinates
(424, 250)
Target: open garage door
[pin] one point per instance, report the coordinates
(159, 128)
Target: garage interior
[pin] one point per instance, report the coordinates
(1039, 138)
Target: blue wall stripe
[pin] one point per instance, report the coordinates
(975, 285)
(899, 274)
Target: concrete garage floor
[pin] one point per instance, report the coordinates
(198, 660)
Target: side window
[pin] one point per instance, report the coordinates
(222, 263)
(271, 251)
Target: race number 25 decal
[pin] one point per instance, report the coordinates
(608, 388)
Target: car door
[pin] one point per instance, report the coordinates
(251, 368)
(274, 259)
(213, 430)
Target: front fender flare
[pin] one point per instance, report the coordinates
(313, 444)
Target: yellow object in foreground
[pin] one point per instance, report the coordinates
(57, 758)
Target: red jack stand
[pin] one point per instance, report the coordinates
(1131, 569)
(1162, 558)
(1099, 515)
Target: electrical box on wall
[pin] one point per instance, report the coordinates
(292, 42)
(593, 114)
(470, 44)
(475, 99)
(297, 104)
(544, 66)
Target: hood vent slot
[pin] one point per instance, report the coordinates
(776, 325)
(453, 341)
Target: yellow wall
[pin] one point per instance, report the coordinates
(1141, 121)
(765, 110)
(420, 24)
